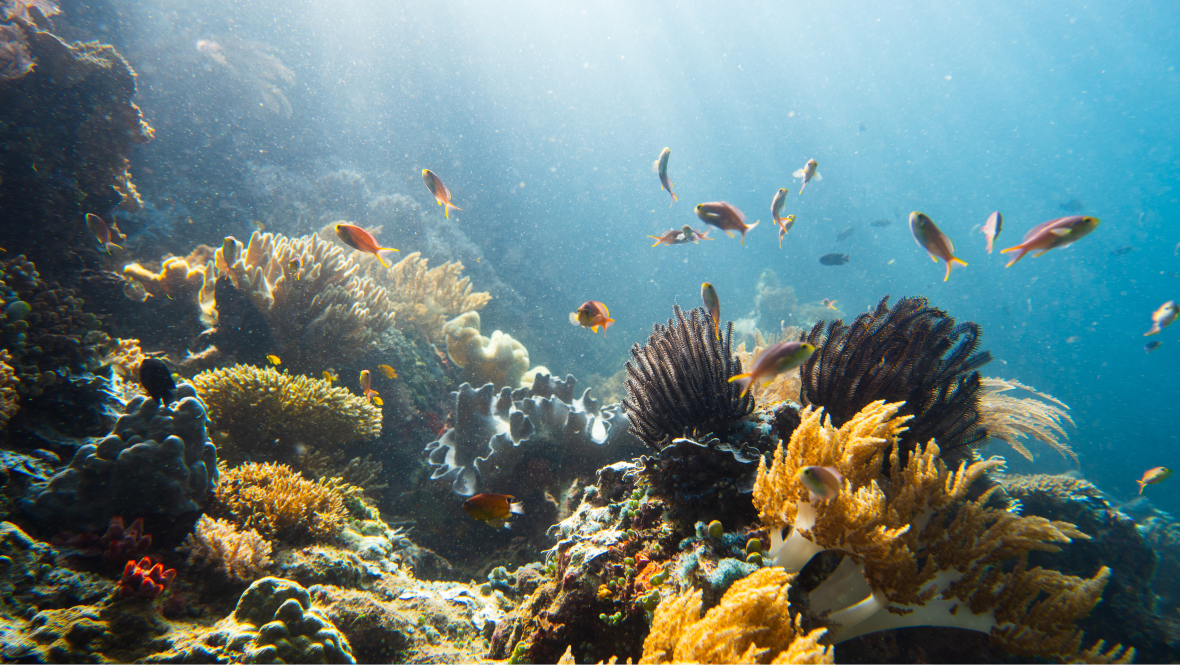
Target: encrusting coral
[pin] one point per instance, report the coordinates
(241, 555)
(911, 352)
(268, 414)
(499, 360)
(679, 380)
(1011, 418)
(277, 503)
(918, 551)
(426, 297)
(752, 624)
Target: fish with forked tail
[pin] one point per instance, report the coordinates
(934, 241)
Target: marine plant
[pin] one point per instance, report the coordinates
(267, 414)
(1010, 419)
(276, 502)
(499, 359)
(918, 551)
(241, 555)
(679, 380)
(911, 352)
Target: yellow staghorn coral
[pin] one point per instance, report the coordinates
(426, 297)
(752, 624)
(1011, 418)
(277, 503)
(242, 556)
(499, 359)
(917, 551)
(268, 414)
(784, 387)
(9, 397)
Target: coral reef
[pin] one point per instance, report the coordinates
(269, 415)
(1041, 417)
(678, 380)
(239, 555)
(274, 501)
(499, 360)
(125, 358)
(912, 353)
(919, 552)
(143, 580)
(56, 167)
(157, 461)
(15, 60)
(9, 396)
(494, 434)
(752, 624)
(426, 297)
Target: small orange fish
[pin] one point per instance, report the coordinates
(774, 360)
(440, 192)
(934, 241)
(591, 315)
(273, 359)
(293, 267)
(1154, 476)
(808, 173)
(101, 231)
(330, 375)
(784, 223)
(361, 240)
(713, 304)
(725, 217)
(366, 388)
(992, 228)
(1051, 235)
(388, 371)
(495, 509)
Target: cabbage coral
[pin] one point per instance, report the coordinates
(278, 503)
(268, 413)
(917, 551)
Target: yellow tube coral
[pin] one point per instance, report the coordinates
(918, 552)
(267, 414)
(278, 503)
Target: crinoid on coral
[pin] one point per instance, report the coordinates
(1041, 417)
(269, 415)
(918, 551)
(496, 435)
(913, 353)
(679, 380)
(277, 503)
(158, 461)
(498, 359)
(240, 555)
(422, 297)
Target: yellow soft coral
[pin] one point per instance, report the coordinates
(1011, 418)
(267, 413)
(918, 551)
(278, 503)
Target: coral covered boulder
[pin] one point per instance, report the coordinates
(274, 622)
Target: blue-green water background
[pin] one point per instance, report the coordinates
(543, 119)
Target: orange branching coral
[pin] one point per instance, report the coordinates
(752, 624)
(241, 555)
(917, 550)
(277, 503)
(9, 397)
(426, 297)
(1011, 418)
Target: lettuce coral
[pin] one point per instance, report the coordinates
(917, 550)
(277, 503)
(499, 360)
(269, 414)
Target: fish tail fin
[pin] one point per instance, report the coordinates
(606, 324)
(1141, 486)
(746, 380)
(674, 197)
(1154, 330)
(452, 206)
(378, 255)
(658, 241)
(1019, 248)
(989, 246)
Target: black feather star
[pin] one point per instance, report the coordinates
(679, 380)
(912, 352)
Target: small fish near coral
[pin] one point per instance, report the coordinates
(367, 388)
(808, 173)
(725, 217)
(591, 315)
(681, 236)
(774, 360)
(930, 238)
(440, 192)
(274, 360)
(822, 482)
(101, 232)
(387, 371)
(784, 224)
(495, 509)
(713, 304)
(881, 223)
(361, 240)
(156, 379)
(330, 375)
(834, 259)
(1052, 234)
(1154, 477)
(660, 166)
(1163, 317)
(991, 229)
(293, 267)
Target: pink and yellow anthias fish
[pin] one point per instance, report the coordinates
(830, 304)
(725, 217)
(772, 361)
(361, 240)
(102, 232)
(680, 237)
(784, 224)
(934, 241)
(822, 482)
(660, 166)
(1051, 235)
(591, 315)
(808, 173)
(713, 304)
(440, 192)
(367, 387)
(1154, 476)
(1163, 317)
(991, 229)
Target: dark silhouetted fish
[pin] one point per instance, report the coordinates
(156, 378)
(1121, 250)
(863, 129)
(881, 223)
(833, 259)
(846, 233)
(1073, 205)
(1152, 346)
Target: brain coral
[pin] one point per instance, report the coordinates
(267, 413)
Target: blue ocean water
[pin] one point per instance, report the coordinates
(544, 118)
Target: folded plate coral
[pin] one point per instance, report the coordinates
(270, 415)
(495, 432)
(918, 551)
(679, 380)
(498, 359)
(157, 461)
(277, 503)
(912, 353)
